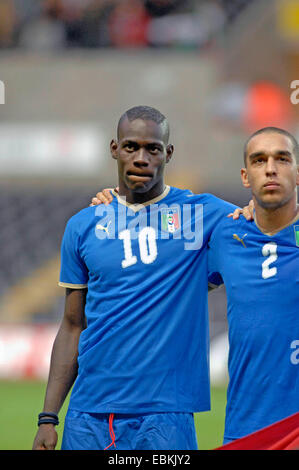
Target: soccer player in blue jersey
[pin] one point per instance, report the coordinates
(134, 337)
(258, 263)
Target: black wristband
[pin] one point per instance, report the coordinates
(44, 418)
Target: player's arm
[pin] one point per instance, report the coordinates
(63, 366)
(105, 197)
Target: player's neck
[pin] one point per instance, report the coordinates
(272, 220)
(133, 197)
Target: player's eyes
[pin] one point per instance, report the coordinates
(130, 147)
(258, 160)
(284, 159)
(154, 149)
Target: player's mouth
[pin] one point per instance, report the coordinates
(137, 176)
(271, 185)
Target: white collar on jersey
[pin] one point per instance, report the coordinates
(138, 207)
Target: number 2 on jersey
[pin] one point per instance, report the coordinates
(270, 250)
(147, 247)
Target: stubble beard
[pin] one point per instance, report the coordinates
(272, 205)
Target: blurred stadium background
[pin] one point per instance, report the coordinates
(218, 69)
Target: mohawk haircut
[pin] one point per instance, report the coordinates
(276, 130)
(146, 113)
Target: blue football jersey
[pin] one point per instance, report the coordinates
(145, 348)
(261, 276)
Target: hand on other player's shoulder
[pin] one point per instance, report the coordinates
(103, 197)
(246, 211)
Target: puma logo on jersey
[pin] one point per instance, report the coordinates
(241, 240)
(102, 227)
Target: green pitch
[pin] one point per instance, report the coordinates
(20, 403)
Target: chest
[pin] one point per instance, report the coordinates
(140, 244)
(267, 263)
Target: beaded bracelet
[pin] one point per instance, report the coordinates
(44, 418)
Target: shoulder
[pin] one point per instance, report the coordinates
(79, 220)
(209, 200)
(215, 210)
(230, 223)
(179, 194)
(227, 227)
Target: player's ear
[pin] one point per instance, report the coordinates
(113, 148)
(244, 178)
(297, 178)
(169, 152)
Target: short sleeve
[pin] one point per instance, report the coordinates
(73, 271)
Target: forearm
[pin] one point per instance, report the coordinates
(63, 366)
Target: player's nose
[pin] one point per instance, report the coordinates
(271, 167)
(141, 158)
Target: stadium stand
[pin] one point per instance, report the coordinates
(55, 24)
(29, 247)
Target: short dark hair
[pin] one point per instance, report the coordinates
(276, 130)
(147, 113)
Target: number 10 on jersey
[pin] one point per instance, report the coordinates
(147, 246)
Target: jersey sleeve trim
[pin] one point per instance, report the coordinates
(72, 286)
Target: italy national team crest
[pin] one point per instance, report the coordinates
(170, 220)
(296, 229)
